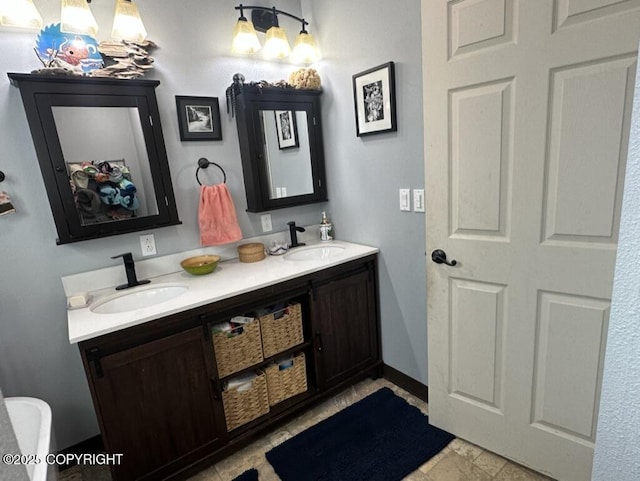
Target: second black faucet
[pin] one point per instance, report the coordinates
(293, 232)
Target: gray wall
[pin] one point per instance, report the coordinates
(193, 59)
(365, 173)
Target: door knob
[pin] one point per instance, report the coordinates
(440, 257)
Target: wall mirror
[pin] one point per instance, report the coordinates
(281, 146)
(287, 153)
(101, 152)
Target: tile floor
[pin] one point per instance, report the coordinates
(459, 461)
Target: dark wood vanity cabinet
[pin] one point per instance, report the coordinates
(156, 387)
(154, 404)
(346, 340)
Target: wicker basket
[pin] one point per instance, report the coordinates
(240, 351)
(280, 334)
(240, 407)
(252, 252)
(284, 384)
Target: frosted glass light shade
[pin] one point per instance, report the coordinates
(76, 17)
(304, 49)
(20, 13)
(245, 40)
(127, 24)
(276, 45)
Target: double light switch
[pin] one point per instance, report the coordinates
(418, 200)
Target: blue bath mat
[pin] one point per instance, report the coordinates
(380, 438)
(249, 475)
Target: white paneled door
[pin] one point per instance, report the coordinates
(527, 105)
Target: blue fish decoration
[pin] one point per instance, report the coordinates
(68, 50)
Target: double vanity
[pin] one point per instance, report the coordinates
(158, 383)
(183, 370)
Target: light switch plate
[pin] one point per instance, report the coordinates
(418, 200)
(405, 202)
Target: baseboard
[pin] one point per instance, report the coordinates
(88, 446)
(407, 383)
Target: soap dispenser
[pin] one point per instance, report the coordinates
(326, 229)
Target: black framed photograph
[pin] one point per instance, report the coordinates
(286, 128)
(198, 118)
(374, 97)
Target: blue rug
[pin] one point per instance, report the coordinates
(380, 438)
(249, 475)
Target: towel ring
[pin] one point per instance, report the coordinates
(203, 164)
(2, 177)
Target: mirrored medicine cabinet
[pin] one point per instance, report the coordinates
(101, 152)
(280, 136)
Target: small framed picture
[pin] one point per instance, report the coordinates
(374, 97)
(198, 118)
(286, 128)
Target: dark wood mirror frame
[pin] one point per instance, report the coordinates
(250, 100)
(41, 93)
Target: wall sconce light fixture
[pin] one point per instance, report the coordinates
(20, 13)
(127, 24)
(76, 17)
(276, 46)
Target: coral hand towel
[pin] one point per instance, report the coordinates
(217, 216)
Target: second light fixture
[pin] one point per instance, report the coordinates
(263, 19)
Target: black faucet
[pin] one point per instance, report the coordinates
(293, 231)
(130, 269)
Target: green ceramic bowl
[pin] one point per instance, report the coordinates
(200, 265)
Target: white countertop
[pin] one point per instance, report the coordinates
(230, 279)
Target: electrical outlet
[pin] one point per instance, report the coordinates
(405, 203)
(418, 200)
(148, 245)
(266, 223)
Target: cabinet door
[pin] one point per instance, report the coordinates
(345, 327)
(156, 406)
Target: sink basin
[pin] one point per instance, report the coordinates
(314, 253)
(138, 298)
